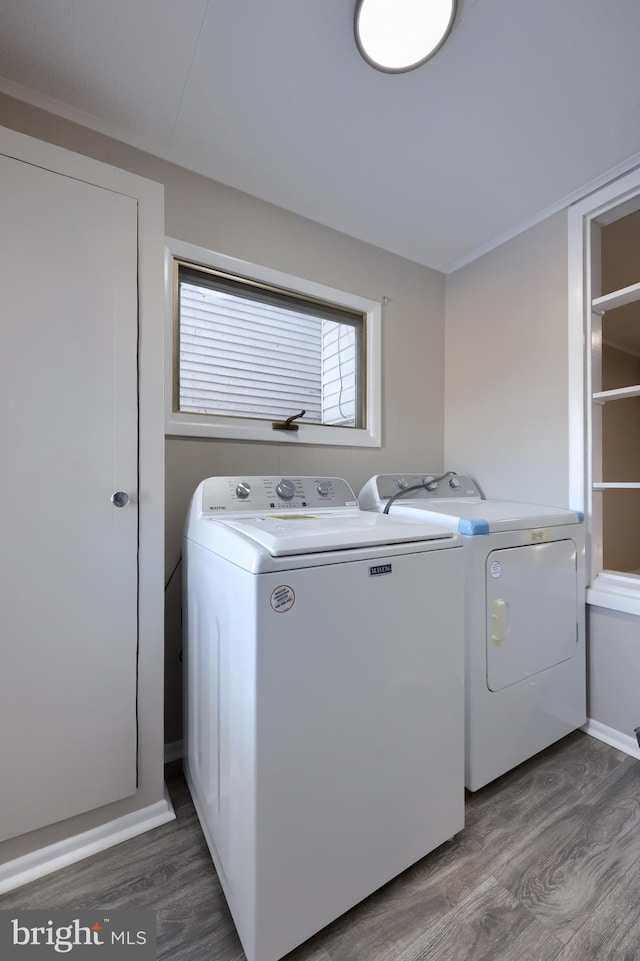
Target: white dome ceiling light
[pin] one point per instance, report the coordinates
(400, 35)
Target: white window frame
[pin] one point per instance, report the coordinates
(235, 428)
(614, 590)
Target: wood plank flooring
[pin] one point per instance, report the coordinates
(547, 869)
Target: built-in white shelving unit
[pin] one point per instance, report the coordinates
(599, 306)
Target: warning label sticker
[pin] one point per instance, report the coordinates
(282, 599)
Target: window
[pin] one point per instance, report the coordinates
(252, 346)
(255, 351)
(605, 305)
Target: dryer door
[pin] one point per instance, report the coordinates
(531, 615)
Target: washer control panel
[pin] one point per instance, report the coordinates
(431, 486)
(264, 493)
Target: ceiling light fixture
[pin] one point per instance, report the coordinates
(400, 35)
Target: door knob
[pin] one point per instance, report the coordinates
(120, 499)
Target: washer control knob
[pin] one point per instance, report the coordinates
(401, 483)
(243, 490)
(454, 482)
(285, 489)
(323, 489)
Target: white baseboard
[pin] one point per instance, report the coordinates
(609, 735)
(22, 870)
(173, 751)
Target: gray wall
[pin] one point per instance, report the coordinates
(506, 392)
(613, 645)
(211, 215)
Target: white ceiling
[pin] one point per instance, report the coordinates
(527, 102)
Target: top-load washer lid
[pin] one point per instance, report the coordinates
(285, 534)
(454, 501)
(282, 517)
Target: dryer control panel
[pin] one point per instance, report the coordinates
(265, 493)
(443, 486)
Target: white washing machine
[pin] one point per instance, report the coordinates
(324, 665)
(525, 650)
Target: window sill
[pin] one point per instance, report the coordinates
(186, 425)
(615, 592)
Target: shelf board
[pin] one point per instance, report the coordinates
(619, 394)
(610, 485)
(617, 298)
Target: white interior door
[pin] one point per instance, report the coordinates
(68, 396)
(531, 610)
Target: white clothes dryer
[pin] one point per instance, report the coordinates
(324, 666)
(525, 685)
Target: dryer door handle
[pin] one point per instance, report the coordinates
(498, 621)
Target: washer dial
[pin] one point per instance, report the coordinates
(285, 489)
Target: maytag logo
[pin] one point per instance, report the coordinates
(378, 569)
(41, 934)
